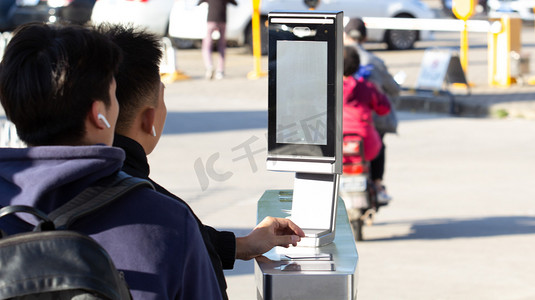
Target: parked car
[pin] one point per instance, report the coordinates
(524, 8)
(188, 20)
(15, 13)
(153, 15)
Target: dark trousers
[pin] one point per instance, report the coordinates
(377, 165)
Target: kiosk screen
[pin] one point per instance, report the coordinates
(301, 92)
(303, 86)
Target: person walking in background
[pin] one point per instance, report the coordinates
(373, 69)
(216, 21)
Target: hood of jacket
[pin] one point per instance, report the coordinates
(48, 176)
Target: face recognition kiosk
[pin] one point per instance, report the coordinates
(305, 115)
(305, 137)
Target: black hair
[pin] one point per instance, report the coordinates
(356, 29)
(351, 60)
(49, 78)
(138, 79)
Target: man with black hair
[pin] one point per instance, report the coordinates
(139, 127)
(57, 86)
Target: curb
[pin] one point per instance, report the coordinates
(487, 104)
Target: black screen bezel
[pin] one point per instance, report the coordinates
(324, 33)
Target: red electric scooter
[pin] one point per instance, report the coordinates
(356, 187)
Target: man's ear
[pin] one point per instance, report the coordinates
(96, 115)
(147, 120)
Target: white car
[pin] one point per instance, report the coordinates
(188, 20)
(524, 8)
(151, 14)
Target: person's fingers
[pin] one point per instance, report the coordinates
(286, 240)
(289, 227)
(295, 228)
(267, 222)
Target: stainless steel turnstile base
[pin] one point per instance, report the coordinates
(325, 273)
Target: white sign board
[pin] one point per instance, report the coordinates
(434, 69)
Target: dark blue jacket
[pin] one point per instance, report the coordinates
(152, 238)
(221, 245)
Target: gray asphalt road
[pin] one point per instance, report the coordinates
(462, 222)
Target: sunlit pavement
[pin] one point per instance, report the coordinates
(462, 222)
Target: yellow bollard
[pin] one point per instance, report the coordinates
(464, 48)
(257, 53)
(503, 39)
(463, 9)
(168, 66)
(531, 80)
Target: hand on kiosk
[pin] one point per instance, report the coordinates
(267, 234)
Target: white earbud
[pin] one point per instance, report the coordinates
(103, 119)
(153, 131)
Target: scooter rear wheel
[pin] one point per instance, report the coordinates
(355, 218)
(357, 229)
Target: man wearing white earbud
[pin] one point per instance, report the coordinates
(57, 86)
(142, 115)
(103, 119)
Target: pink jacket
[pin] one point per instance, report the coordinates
(360, 98)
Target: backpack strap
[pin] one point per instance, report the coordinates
(95, 197)
(44, 224)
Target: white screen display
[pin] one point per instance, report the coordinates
(301, 92)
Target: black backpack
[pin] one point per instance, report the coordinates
(53, 262)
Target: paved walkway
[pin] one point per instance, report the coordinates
(516, 101)
(460, 227)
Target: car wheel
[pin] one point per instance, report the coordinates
(263, 36)
(401, 39)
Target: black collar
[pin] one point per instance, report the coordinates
(135, 163)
